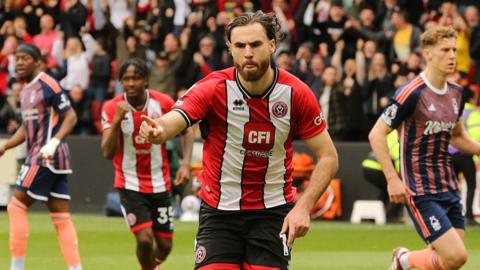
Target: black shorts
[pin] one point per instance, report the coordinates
(240, 238)
(40, 183)
(143, 210)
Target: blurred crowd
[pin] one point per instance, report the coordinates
(352, 53)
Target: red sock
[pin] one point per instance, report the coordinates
(67, 237)
(426, 259)
(17, 214)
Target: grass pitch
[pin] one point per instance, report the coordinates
(106, 243)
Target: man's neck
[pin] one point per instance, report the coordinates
(435, 78)
(138, 102)
(33, 76)
(259, 87)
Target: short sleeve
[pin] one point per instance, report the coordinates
(196, 102)
(401, 105)
(308, 116)
(54, 94)
(108, 111)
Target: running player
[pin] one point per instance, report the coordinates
(426, 112)
(142, 174)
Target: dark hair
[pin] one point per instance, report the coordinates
(268, 20)
(29, 49)
(140, 67)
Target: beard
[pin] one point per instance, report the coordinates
(253, 75)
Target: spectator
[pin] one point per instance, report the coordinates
(287, 24)
(120, 11)
(332, 102)
(20, 29)
(162, 77)
(347, 76)
(8, 123)
(83, 107)
(314, 79)
(73, 17)
(45, 39)
(303, 57)
(7, 62)
(332, 29)
(451, 16)
(205, 58)
(406, 39)
(33, 12)
(101, 72)
(473, 19)
(378, 89)
(78, 60)
(284, 60)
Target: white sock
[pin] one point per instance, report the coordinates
(75, 267)
(18, 263)
(404, 260)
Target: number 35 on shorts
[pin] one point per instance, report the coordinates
(165, 215)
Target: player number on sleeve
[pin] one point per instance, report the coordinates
(165, 214)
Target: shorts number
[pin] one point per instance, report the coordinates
(21, 175)
(286, 250)
(165, 214)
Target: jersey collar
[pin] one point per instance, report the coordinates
(264, 95)
(144, 106)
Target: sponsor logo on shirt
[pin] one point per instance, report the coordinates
(258, 139)
(434, 127)
(238, 105)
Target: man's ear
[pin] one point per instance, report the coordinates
(273, 46)
(426, 53)
(229, 45)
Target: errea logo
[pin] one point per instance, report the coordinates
(238, 105)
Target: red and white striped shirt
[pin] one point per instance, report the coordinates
(247, 154)
(139, 165)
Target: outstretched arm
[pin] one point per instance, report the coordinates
(297, 222)
(157, 131)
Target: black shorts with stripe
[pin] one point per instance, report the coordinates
(242, 237)
(142, 210)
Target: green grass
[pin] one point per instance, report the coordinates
(105, 244)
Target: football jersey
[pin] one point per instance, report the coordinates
(425, 117)
(247, 152)
(139, 165)
(43, 102)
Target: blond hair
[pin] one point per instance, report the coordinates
(434, 34)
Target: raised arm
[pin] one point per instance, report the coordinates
(297, 222)
(111, 135)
